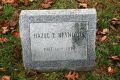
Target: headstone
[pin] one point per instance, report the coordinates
(58, 39)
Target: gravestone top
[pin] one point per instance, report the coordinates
(58, 12)
(58, 39)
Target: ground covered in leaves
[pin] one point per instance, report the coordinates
(107, 40)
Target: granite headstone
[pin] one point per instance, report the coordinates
(58, 39)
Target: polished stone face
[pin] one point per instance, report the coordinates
(58, 39)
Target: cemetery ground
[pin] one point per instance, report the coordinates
(107, 41)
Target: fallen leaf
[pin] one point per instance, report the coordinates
(8, 1)
(3, 39)
(45, 6)
(5, 30)
(103, 38)
(115, 23)
(48, 1)
(16, 34)
(99, 31)
(111, 71)
(115, 58)
(15, 4)
(12, 23)
(118, 37)
(26, 2)
(105, 31)
(16, 14)
(115, 19)
(4, 24)
(72, 76)
(5, 78)
(82, 5)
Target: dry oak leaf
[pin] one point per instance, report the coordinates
(82, 5)
(72, 76)
(8, 1)
(5, 30)
(3, 39)
(45, 6)
(111, 71)
(5, 78)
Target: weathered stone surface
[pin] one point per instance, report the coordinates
(58, 39)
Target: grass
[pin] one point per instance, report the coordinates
(10, 52)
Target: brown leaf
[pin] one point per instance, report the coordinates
(16, 34)
(103, 38)
(82, 5)
(48, 1)
(115, 21)
(118, 37)
(111, 71)
(16, 14)
(98, 32)
(16, 3)
(12, 23)
(72, 76)
(115, 58)
(45, 6)
(3, 39)
(26, 2)
(4, 24)
(102, 31)
(8, 1)
(5, 78)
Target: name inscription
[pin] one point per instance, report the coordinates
(58, 35)
(58, 40)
